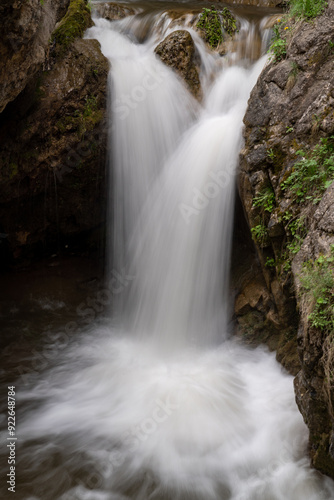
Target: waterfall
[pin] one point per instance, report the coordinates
(174, 168)
(160, 402)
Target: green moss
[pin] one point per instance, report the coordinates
(312, 174)
(67, 123)
(13, 170)
(260, 234)
(277, 158)
(83, 119)
(317, 58)
(72, 26)
(278, 45)
(322, 459)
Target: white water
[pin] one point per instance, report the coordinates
(164, 406)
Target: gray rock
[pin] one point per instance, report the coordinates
(178, 51)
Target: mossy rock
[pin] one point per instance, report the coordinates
(229, 22)
(322, 459)
(212, 23)
(73, 25)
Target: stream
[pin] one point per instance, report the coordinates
(142, 392)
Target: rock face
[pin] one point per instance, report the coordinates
(26, 26)
(113, 11)
(262, 3)
(256, 308)
(291, 108)
(53, 138)
(178, 51)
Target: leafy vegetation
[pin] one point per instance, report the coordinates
(297, 229)
(278, 45)
(212, 22)
(317, 283)
(260, 234)
(307, 9)
(265, 200)
(313, 173)
(209, 23)
(73, 25)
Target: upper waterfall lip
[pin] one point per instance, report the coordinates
(243, 10)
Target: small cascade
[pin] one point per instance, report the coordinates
(160, 402)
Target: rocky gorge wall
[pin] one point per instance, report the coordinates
(52, 130)
(288, 200)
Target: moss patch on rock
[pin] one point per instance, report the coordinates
(72, 26)
(212, 23)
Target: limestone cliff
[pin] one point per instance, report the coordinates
(283, 183)
(53, 143)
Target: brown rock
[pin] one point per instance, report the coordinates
(26, 27)
(178, 51)
(113, 11)
(291, 108)
(52, 178)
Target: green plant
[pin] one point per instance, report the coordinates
(270, 262)
(209, 23)
(294, 69)
(298, 231)
(271, 154)
(317, 283)
(313, 173)
(265, 199)
(277, 48)
(289, 129)
(73, 25)
(90, 106)
(260, 234)
(331, 44)
(307, 9)
(229, 22)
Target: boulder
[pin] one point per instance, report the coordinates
(178, 51)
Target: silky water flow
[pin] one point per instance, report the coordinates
(160, 402)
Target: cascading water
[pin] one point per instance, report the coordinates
(163, 404)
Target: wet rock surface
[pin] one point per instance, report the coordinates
(178, 51)
(53, 150)
(291, 108)
(26, 27)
